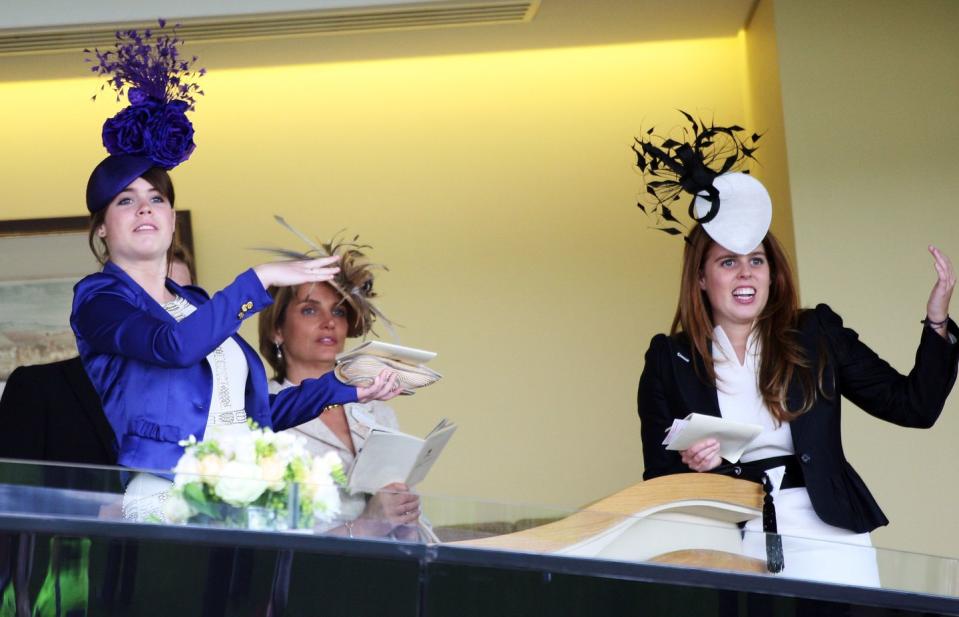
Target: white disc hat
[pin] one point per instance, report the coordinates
(744, 212)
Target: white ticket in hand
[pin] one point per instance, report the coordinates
(733, 437)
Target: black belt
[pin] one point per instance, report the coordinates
(755, 471)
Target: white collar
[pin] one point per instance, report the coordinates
(724, 351)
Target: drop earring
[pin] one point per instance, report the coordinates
(278, 351)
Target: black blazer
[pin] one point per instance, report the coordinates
(670, 388)
(50, 412)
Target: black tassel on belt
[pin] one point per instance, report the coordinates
(774, 542)
(755, 471)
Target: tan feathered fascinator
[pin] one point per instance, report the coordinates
(354, 281)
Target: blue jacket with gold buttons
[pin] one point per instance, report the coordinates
(150, 370)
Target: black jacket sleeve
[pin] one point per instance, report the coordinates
(868, 381)
(656, 414)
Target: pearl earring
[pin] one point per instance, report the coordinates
(278, 351)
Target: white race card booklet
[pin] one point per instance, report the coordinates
(391, 456)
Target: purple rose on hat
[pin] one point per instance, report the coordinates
(170, 135)
(160, 84)
(126, 132)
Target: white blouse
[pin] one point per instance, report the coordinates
(737, 388)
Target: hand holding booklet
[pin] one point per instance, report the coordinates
(391, 456)
(733, 437)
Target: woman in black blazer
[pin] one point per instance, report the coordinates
(678, 380)
(741, 348)
(671, 387)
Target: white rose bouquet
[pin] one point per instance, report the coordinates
(223, 480)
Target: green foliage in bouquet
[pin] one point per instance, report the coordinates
(252, 479)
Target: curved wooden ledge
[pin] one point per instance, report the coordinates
(684, 487)
(712, 497)
(714, 560)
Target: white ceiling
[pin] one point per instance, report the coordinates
(53, 13)
(557, 23)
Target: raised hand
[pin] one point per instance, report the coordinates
(287, 273)
(937, 309)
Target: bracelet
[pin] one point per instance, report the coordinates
(935, 324)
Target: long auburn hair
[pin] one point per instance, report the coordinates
(783, 359)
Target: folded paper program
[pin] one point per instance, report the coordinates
(733, 437)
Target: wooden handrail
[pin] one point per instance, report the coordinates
(716, 497)
(680, 488)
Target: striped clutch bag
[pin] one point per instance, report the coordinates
(360, 370)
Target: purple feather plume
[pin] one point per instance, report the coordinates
(161, 86)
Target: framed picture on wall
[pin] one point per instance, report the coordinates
(42, 261)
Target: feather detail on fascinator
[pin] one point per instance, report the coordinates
(709, 165)
(161, 87)
(153, 130)
(354, 281)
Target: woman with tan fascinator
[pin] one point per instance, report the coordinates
(742, 349)
(300, 336)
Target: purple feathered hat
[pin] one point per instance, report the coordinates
(153, 131)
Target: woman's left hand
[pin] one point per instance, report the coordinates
(289, 273)
(938, 307)
(702, 455)
(393, 505)
(383, 388)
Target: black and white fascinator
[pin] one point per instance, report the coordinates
(709, 164)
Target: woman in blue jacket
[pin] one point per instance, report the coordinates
(166, 360)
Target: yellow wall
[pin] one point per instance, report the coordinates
(870, 91)
(764, 110)
(499, 190)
